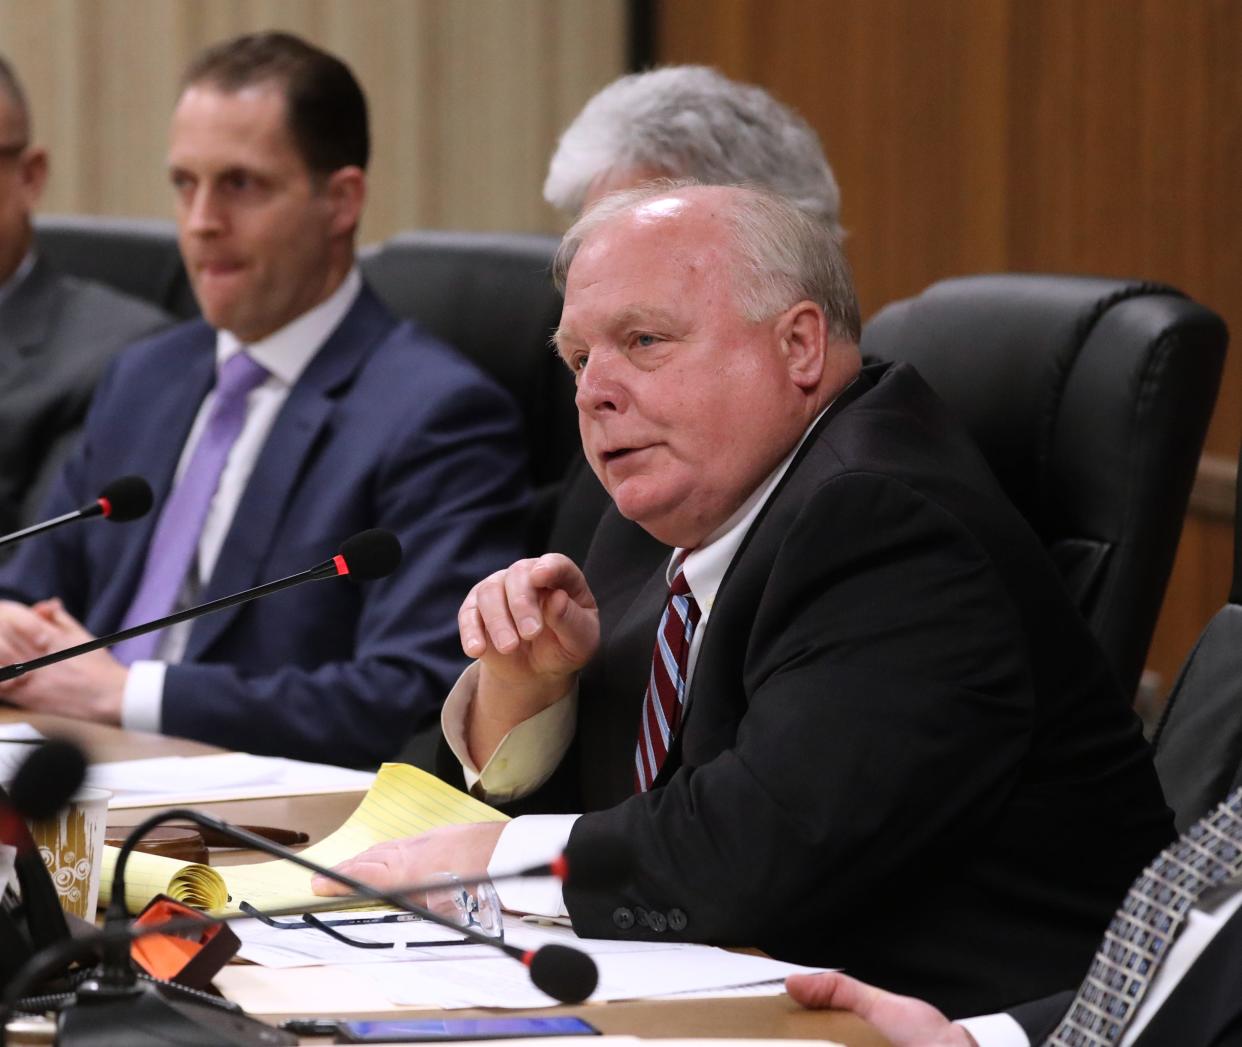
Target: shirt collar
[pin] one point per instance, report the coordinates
(287, 352)
(19, 274)
(705, 567)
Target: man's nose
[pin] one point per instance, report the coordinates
(599, 385)
(203, 214)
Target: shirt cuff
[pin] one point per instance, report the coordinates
(530, 840)
(525, 757)
(143, 700)
(995, 1030)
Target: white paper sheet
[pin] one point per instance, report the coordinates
(476, 976)
(174, 780)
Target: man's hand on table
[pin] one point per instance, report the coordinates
(461, 849)
(903, 1020)
(89, 687)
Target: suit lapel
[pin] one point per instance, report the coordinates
(625, 570)
(283, 461)
(1206, 1002)
(722, 650)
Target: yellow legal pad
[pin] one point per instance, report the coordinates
(402, 801)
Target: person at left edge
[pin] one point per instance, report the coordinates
(360, 422)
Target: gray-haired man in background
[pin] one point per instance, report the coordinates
(685, 121)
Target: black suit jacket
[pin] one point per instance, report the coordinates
(56, 335)
(900, 734)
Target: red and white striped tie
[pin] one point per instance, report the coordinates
(666, 687)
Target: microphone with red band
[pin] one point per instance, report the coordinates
(366, 556)
(112, 1005)
(564, 973)
(121, 501)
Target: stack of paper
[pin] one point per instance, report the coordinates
(222, 776)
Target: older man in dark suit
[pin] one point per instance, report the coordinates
(56, 332)
(854, 718)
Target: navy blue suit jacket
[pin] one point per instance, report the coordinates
(387, 427)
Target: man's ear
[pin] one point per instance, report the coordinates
(346, 191)
(803, 333)
(33, 174)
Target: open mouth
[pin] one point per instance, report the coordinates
(620, 452)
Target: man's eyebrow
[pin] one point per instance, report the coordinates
(645, 318)
(625, 320)
(557, 342)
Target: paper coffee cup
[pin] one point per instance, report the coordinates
(71, 845)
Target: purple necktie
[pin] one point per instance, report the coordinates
(181, 521)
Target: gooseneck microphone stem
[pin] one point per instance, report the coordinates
(59, 955)
(567, 974)
(327, 569)
(118, 912)
(48, 525)
(124, 499)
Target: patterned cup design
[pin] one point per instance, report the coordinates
(71, 845)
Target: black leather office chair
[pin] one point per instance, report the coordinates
(1090, 399)
(491, 296)
(1199, 740)
(138, 256)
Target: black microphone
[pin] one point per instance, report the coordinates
(554, 967)
(562, 972)
(608, 864)
(121, 501)
(42, 785)
(365, 556)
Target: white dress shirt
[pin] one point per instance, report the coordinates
(285, 354)
(1202, 925)
(530, 752)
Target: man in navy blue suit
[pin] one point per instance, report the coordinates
(296, 413)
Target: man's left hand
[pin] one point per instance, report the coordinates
(903, 1020)
(461, 849)
(89, 687)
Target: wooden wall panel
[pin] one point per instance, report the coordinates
(467, 98)
(1094, 136)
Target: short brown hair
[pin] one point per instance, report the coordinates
(12, 87)
(327, 111)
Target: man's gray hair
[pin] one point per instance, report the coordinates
(782, 254)
(689, 121)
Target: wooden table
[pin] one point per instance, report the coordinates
(759, 1017)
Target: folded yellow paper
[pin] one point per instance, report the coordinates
(402, 801)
